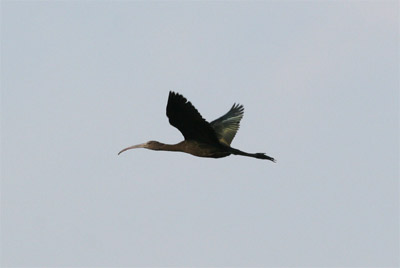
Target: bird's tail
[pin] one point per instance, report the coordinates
(256, 155)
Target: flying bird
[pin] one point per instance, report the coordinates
(202, 138)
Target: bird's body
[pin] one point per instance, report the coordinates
(202, 139)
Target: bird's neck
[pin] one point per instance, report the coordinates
(169, 147)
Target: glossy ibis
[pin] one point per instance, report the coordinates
(202, 139)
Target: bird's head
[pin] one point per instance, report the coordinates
(152, 144)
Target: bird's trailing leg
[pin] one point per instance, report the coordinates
(256, 155)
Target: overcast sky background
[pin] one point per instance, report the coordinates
(81, 80)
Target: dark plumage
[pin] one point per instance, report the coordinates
(202, 139)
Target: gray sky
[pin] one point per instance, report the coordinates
(82, 80)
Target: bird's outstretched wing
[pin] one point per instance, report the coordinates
(184, 116)
(227, 125)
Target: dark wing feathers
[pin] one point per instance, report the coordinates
(184, 116)
(227, 125)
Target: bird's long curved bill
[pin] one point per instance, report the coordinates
(143, 145)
